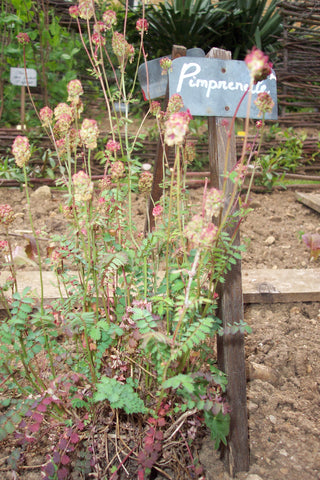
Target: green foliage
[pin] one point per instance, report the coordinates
(120, 396)
(236, 25)
(285, 157)
(54, 52)
(219, 426)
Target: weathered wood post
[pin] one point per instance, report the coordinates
(156, 190)
(231, 356)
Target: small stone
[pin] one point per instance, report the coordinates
(283, 452)
(255, 204)
(275, 218)
(261, 372)
(252, 407)
(283, 470)
(272, 419)
(42, 193)
(253, 476)
(270, 240)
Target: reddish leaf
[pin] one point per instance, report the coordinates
(56, 457)
(62, 443)
(74, 437)
(65, 459)
(161, 422)
(62, 473)
(31, 248)
(37, 417)
(34, 427)
(42, 407)
(49, 469)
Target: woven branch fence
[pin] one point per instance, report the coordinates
(297, 64)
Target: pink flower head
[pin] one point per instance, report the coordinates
(213, 202)
(145, 182)
(62, 109)
(189, 152)
(175, 103)
(142, 25)
(83, 187)
(4, 246)
(176, 128)
(258, 65)
(63, 124)
(46, 116)
(74, 89)
(99, 27)
(74, 11)
(61, 146)
(86, 9)
(23, 38)
(109, 19)
(6, 215)
(155, 108)
(166, 65)
(264, 102)
(89, 133)
(121, 48)
(200, 233)
(259, 124)
(113, 146)
(157, 211)
(98, 39)
(117, 171)
(21, 150)
(105, 183)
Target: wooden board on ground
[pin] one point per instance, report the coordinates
(259, 285)
(312, 200)
(281, 285)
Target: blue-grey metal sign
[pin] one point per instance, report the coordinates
(214, 87)
(18, 77)
(151, 78)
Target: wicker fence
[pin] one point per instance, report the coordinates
(297, 64)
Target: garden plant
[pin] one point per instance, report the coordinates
(119, 373)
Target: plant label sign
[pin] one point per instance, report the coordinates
(18, 77)
(214, 87)
(151, 78)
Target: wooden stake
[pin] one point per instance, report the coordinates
(162, 149)
(231, 356)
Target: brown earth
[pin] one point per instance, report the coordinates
(282, 353)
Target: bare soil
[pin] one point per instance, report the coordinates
(282, 353)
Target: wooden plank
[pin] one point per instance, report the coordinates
(230, 347)
(258, 285)
(312, 200)
(281, 285)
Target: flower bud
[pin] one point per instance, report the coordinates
(117, 171)
(264, 102)
(145, 182)
(23, 38)
(21, 150)
(176, 128)
(109, 18)
(46, 116)
(142, 25)
(89, 133)
(6, 215)
(258, 65)
(83, 187)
